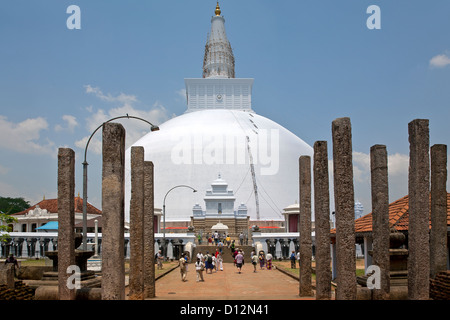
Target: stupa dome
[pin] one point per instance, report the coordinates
(220, 133)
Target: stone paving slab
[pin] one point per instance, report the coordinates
(228, 285)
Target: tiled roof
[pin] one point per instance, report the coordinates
(398, 216)
(51, 205)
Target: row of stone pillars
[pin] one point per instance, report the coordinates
(142, 252)
(427, 249)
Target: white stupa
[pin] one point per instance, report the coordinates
(220, 132)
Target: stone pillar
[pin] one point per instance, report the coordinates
(66, 221)
(380, 218)
(419, 210)
(149, 236)
(136, 285)
(305, 227)
(322, 221)
(113, 177)
(438, 234)
(344, 208)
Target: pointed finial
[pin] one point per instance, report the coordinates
(217, 9)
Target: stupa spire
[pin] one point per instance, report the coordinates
(218, 61)
(217, 12)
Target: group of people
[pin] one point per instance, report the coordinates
(204, 262)
(215, 239)
(224, 239)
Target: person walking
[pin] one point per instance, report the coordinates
(239, 261)
(220, 245)
(254, 261)
(208, 262)
(199, 267)
(183, 270)
(293, 259)
(228, 240)
(159, 260)
(269, 261)
(262, 260)
(219, 261)
(200, 256)
(241, 239)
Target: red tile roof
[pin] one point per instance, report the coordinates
(398, 216)
(51, 205)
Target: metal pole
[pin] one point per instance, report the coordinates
(164, 230)
(96, 238)
(85, 164)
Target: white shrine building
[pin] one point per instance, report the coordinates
(220, 213)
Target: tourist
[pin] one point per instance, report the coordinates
(208, 262)
(293, 259)
(239, 261)
(219, 261)
(210, 241)
(200, 256)
(199, 237)
(183, 270)
(228, 240)
(298, 258)
(186, 257)
(214, 264)
(220, 245)
(269, 261)
(241, 239)
(254, 261)
(216, 238)
(232, 246)
(159, 260)
(262, 260)
(199, 267)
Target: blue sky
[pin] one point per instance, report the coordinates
(312, 61)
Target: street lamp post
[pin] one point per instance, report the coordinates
(164, 216)
(85, 164)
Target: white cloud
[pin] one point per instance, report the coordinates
(71, 123)
(24, 136)
(182, 94)
(135, 128)
(440, 61)
(123, 98)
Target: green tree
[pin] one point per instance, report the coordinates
(12, 205)
(5, 221)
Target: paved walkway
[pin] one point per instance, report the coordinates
(228, 285)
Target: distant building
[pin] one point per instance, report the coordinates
(220, 214)
(46, 211)
(359, 209)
